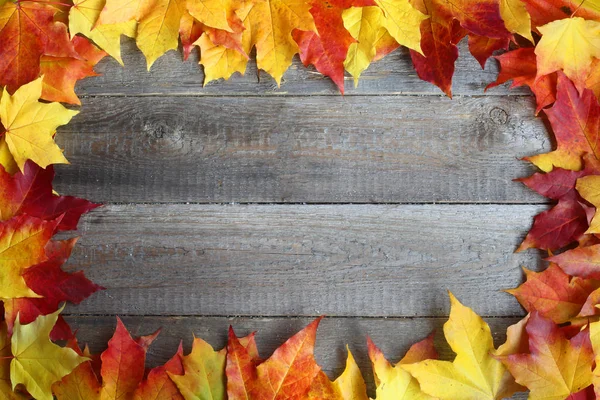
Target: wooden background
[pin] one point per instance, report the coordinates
(240, 203)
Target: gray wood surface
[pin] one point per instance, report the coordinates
(376, 269)
(316, 149)
(393, 335)
(393, 74)
(279, 260)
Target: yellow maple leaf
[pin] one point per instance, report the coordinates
(6, 390)
(350, 385)
(82, 18)
(158, 27)
(393, 381)
(365, 24)
(204, 372)
(118, 11)
(474, 373)
(219, 14)
(271, 25)
(570, 44)
(6, 158)
(589, 188)
(595, 340)
(38, 362)
(31, 125)
(403, 22)
(22, 244)
(516, 18)
(219, 61)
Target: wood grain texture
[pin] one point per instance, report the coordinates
(393, 74)
(393, 336)
(320, 149)
(278, 260)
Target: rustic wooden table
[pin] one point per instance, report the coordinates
(240, 203)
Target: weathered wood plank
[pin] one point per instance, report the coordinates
(301, 149)
(274, 260)
(393, 336)
(171, 76)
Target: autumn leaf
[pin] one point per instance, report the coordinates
(554, 294)
(82, 19)
(158, 27)
(482, 47)
(28, 31)
(560, 183)
(189, 32)
(516, 18)
(350, 385)
(365, 24)
(474, 373)
(271, 25)
(62, 73)
(545, 11)
(556, 367)
(204, 373)
(288, 373)
(218, 14)
(22, 244)
(30, 192)
(402, 21)
(392, 381)
(327, 48)
(589, 188)
(583, 262)
(6, 389)
(554, 229)
(37, 373)
(158, 385)
(81, 384)
(122, 364)
(575, 120)
(569, 45)
(52, 284)
(30, 125)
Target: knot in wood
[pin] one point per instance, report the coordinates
(498, 116)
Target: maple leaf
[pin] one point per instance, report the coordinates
(556, 367)
(271, 25)
(22, 243)
(569, 45)
(28, 31)
(189, 32)
(30, 192)
(482, 47)
(365, 24)
(82, 19)
(392, 381)
(204, 373)
(553, 294)
(581, 261)
(449, 22)
(119, 11)
(54, 285)
(350, 385)
(575, 120)
(62, 73)
(122, 364)
(560, 183)
(158, 385)
(474, 373)
(288, 373)
(30, 125)
(561, 225)
(81, 384)
(516, 18)
(6, 390)
(327, 48)
(158, 27)
(545, 11)
(589, 188)
(37, 373)
(218, 14)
